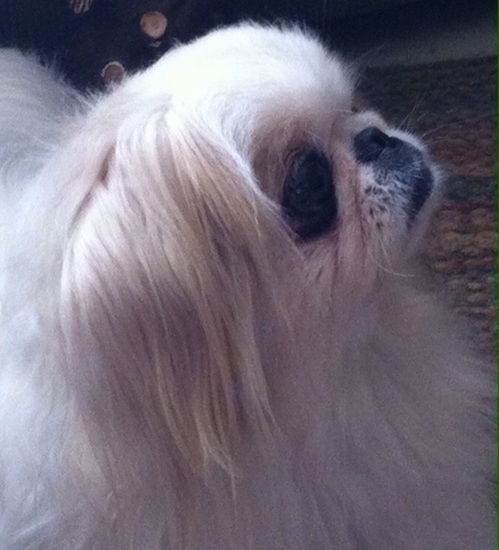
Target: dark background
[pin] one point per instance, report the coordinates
(83, 43)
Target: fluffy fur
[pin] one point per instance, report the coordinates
(178, 369)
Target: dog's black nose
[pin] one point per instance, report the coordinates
(370, 143)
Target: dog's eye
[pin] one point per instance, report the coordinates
(309, 201)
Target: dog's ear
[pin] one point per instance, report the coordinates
(170, 308)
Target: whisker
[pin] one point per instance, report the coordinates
(386, 268)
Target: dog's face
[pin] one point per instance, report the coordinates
(353, 191)
(221, 190)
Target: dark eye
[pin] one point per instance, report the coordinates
(309, 201)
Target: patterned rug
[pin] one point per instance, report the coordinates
(453, 105)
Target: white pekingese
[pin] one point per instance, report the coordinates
(212, 335)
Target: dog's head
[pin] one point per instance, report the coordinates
(352, 191)
(224, 197)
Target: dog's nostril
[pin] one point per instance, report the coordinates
(370, 143)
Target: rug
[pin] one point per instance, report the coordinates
(453, 105)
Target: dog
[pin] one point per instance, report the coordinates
(214, 330)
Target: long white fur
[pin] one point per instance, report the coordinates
(176, 371)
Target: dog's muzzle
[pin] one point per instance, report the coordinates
(395, 162)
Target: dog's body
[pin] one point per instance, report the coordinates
(194, 356)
